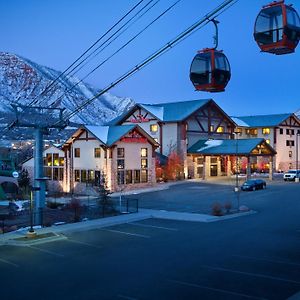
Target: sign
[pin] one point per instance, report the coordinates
(139, 119)
(133, 140)
(15, 174)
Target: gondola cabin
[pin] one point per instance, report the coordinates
(277, 28)
(210, 71)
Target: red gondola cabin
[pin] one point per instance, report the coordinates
(277, 28)
(210, 71)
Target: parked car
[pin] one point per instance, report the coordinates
(291, 175)
(253, 184)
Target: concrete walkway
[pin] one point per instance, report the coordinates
(13, 238)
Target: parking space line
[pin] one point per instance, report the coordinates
(216, 290)
(127, 233)
(152, 226)
(46, 251)
(126, 297)
(8, 262)
(268, 260)
(251, 274)
(84, 243)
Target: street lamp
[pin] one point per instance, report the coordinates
(236, 188)
(297, 137)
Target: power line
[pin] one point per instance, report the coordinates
(221, 8)
(34, 101)
(117, 51)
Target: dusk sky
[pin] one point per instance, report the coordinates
(55, 32)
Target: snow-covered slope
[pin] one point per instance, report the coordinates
(22, 81)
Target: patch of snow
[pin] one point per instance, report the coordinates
(211, 144)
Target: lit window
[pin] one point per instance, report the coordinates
(55, 159)
(77, 175)
(266, 131)
(120, 152)
(137, 176)
(97, 152)
(77, 152)
(49, 159)
(61, 161)
(220, 129)
(154, 128)
(121, 177)
(144, 175)
(121, 163)
(211, 128)
(83, 176)
(128, 176)
(144, 163)
(144, 152)
(268, 141)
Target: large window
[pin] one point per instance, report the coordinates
(83, 176)
(121, 163)
(266, 130)
(144, 163)
(49, 159)
(290, 143)
(144, 176)
(128, 176)
(77, 152)
(144, 152)
(97, 152)
(77, 175)
(290, 131)
(137, 176)
(121, 177)
(120, 152)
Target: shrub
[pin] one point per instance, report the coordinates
(217, 209)
(228, 206)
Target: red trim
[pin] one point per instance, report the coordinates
(133, 140)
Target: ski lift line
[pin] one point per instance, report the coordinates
(105, 46)
(102, 49)
(121, 48)
(34, 101)
(155, 55)
(79, 66)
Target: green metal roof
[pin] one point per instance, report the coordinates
(226, 147)
(174, 111)
(262, 120)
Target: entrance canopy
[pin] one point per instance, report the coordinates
(240, 147)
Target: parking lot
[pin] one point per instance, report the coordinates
(251, 257)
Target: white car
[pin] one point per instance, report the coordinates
(291, 175)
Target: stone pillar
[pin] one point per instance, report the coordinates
(248, 172)
(228, 171)
(204, 168)
(271, 168)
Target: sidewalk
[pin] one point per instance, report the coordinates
(12, 238)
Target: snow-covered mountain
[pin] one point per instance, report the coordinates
(23, 81)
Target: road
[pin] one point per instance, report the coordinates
(251, 257)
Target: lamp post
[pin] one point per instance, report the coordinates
(236, 188)
(297, 168)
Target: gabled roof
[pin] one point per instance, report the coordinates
(109, 135)
(174, 111)
(228, 147)
(166, 112)
(261, 120)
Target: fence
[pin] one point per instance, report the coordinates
(75, 210)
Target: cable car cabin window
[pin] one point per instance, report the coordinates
(222, 69)
(201, 69)
(269, 25)
(292, 17)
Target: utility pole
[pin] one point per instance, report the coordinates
(40, 119)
